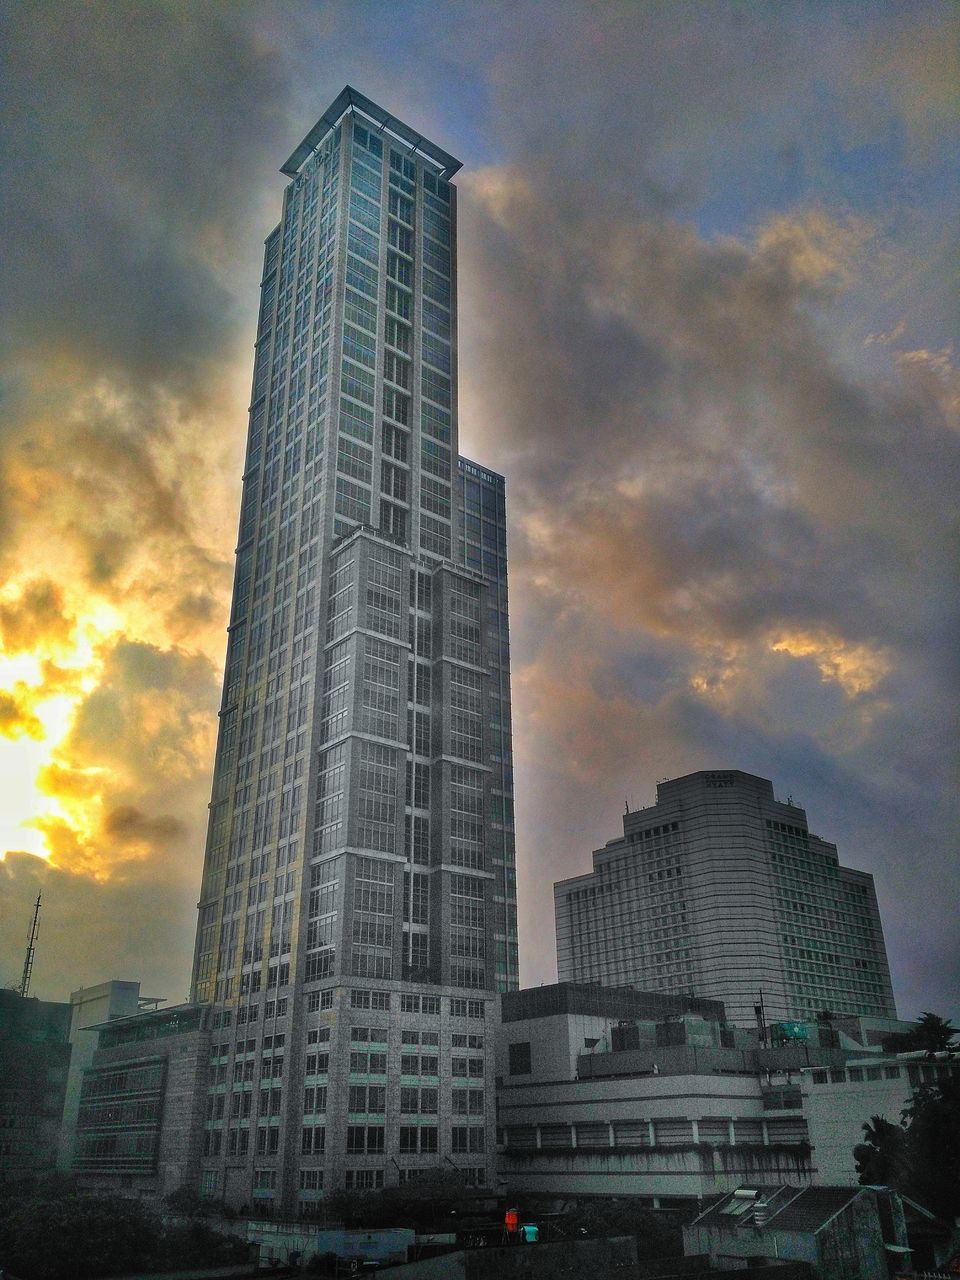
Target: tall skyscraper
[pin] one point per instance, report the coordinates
(358, 908)
(721, 890)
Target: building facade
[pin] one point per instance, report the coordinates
(615, 1092)
(357, 913)
(839, 1101)
(90, 1009)
(34, 1060)
(140, 1112)
(721, 889)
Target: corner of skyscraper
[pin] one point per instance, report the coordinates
(358, 907)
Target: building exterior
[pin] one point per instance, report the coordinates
(90, 1008)
(839, 1101)
(34, 1059)
(838, 1231)
(721, 889)
(357, 912)
(609, 1092)
(483, 548)
(142, 1101)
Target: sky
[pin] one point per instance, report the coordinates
(708, 314)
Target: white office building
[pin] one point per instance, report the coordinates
(721, 889)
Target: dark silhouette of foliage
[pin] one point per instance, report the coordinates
(437, 1200)
(880, 1157)
(932, 1034)
(47, 1236)
(921, 1156)
(933, 1146)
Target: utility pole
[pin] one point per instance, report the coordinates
(31, 947)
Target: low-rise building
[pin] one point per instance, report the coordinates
(89, 1009)
(617, 1092)
(839, 1100)
(613, 1091)
(140, 1118)
(841, 1231)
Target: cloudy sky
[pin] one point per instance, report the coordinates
(708, 270)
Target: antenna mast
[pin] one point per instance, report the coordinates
(31, 947)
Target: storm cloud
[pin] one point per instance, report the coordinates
(706, 308)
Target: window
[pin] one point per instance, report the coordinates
(313, 1140)
(520, 1058)
(364, 1138)
(459, 1140)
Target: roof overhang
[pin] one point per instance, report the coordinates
(350, 100)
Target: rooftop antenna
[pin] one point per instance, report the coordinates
(31, 948)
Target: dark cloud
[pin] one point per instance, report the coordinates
(707, 484)
(16, 720)
(37, 614)
(132, 131)
(129, 823)
(705, 316)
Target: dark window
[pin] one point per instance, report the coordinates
(520, 1058)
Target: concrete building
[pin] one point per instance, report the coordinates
(90, 1008)
(140, 1114)
(34, 1059)
(722, 889)
(841, 1232)
(839, 1101)
(358, 899)
(617, 1092)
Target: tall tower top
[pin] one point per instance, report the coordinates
(350, 100)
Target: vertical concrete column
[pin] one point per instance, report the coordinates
(695, 1126)
(731, 1135)
(766, 1133)
(610, 1129)
(539, 1139)
(650, 1132)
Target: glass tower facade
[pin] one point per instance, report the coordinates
(358, 907)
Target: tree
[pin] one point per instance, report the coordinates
(74, 1237)
(921, 1156)
(880, 1158)
(933, 1147)
(932, 1034)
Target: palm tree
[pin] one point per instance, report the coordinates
(880, 1157)
(933, 1033)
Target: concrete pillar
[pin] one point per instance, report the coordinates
(539, 1139)
(731, 1135)
(696, 1130)
(766, 1133)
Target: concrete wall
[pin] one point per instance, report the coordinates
(659, 1173)
(555, 1044)
(837, 1109)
